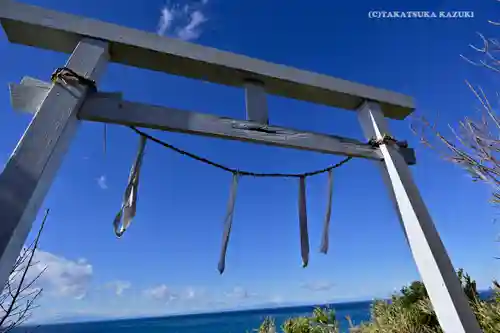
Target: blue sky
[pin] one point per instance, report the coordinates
(167, 260)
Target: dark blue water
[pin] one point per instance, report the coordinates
(226, 322)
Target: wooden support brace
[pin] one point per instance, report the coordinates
(435, 267)
(256, 104)
(31, 168)
(30, 93)
(116, 111)
(108, 107)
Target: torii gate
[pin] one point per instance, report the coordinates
(59, 106)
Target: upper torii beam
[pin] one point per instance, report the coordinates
(59, 107)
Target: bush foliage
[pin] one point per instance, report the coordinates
(409, 311)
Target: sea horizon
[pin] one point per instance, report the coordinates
(222, 321)
(226, 321)
(264, 307)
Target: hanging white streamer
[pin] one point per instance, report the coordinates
(128, 209)
(228, 222)
(304, 234)
(326, 223)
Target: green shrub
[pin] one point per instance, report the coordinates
(409, 311)
(322, 321)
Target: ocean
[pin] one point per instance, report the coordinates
(222, 322)
(225, 322)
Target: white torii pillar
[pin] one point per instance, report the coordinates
(31, 168)
(434, 265)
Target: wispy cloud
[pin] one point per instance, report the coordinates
(182, 21)
(190, 293)
(102, 182)
(166, 18)
(318, 286)
(160, 293)
(119, 286)
(277, 299)
(239, 293)
(192, 29)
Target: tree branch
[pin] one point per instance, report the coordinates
(14, 308)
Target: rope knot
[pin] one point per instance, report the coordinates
(69, 76)
(385, 140)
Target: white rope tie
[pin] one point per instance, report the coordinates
(228, 222)
(304, 235)
(326, 223)
(128, 209)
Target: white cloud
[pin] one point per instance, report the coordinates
(62, 277)
(183, 22)
(102, 182)
(318, 286)
(160, 293)
(119, 286)
(277, 299)
(166, 18)
(191, 293)
(238, 293)
(192, 29)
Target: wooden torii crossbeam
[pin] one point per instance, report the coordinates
(59, 106)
